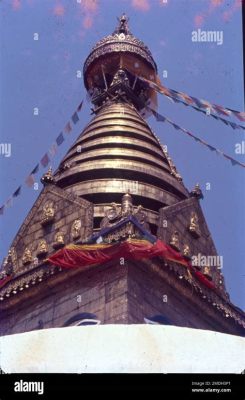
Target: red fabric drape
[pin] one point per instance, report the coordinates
(82, 255)
(75, 256)
(4, 280)
(202, 278)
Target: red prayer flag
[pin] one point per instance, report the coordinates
(240, 115)
(186, 98)
(53, 150)
(45, 160)
(30, 180)
(68, 128)
(221, 110)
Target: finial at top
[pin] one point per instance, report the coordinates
(197, 192)
(123, 24)
(48, 177)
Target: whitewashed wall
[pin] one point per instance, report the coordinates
(122, 348)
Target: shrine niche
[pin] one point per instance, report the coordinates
(59, 240)
(76, 229)
(27, 257)
(48, 213)
(42, 249)
(187, 251)
(175, 241)
(194, 226)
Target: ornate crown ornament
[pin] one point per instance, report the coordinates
(120, 41)
(117, 213)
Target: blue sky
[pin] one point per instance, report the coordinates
(43, 74)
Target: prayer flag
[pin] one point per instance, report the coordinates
(17, 192)
(68, 127)
(75, 118)
(30, 180)
(35, 170)
(45, 160)
(60, 139)
(80, 106)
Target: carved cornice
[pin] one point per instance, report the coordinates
(27, 280)
(210, 298)
(117, 46)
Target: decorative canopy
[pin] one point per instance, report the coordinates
(125, 50)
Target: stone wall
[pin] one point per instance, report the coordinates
(67, 208)
(177, 218)
(116, 294)
(101, 291)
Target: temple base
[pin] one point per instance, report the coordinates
(122, 349)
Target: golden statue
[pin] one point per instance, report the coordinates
(76, 229)
(42, 248)
(59, 240)
(27, 257)
(139, 214)
(112, 215)
(174, 242)
(117, 213)
(194, 226)
(127, 205)
(113, 212)
(48, 212)
(187, 251)
(120, 77)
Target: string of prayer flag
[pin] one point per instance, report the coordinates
(198, 104)
(30, 179)
(161, 118)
